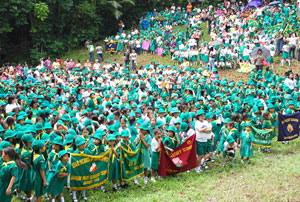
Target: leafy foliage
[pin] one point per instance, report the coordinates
(34, 29)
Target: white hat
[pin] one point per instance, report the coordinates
(281, 30)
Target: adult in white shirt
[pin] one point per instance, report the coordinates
(202, 133)
(292, 45)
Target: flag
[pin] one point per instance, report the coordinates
(145, 45)
(132, 163)
(88, 171)
(159, 51)
(183, 158)
(288, 126)
(111, 46)
(262, 138)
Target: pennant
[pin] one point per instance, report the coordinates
(132, 163)
(183, 158)
(288, 126)
(88, 171)
(262, 138)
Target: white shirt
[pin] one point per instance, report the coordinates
(154, 145)
(290, 83)
(173, 120)
(201, 136)
(10, 107)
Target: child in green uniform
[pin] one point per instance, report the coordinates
(80, 148)
(145, 137)
(230, 147)
(26, 183)
(59, 176)
(38, 169)
(247, 140)
(129, 146)
(267, 124)
(155, 148)
(172, 140)
(9, 173)
(114, 170)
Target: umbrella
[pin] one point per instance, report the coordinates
(275, 3)
(266, 52)
(215, 43)
(254, 3)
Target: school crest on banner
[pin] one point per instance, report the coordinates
(288, 126)
(88, 171)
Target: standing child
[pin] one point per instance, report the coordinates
(247, 140)
(145, 137)
(172, 140)
(26, 183)
(155, 147)
(129, 146)
(202, 130)
(80, 148)
(286, 56)
(114, 170)
(38, 169)
(9, 173)
(59, 176)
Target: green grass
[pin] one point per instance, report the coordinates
(270, 177)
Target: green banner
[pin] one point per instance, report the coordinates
(132, 162)
(253, 23)
(262, 138)
(88, 171)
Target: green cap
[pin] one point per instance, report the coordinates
(37, 144)
(27, 138)
(79, 141)
(110, 137)
(125, 133)
(4, 145)
(62, 153)
(58, 140)
(230, 139)
(9, 134)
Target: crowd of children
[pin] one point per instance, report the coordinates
(233, 32)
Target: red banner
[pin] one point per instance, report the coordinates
(183, 158)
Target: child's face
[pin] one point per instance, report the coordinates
(111, 143)
(43, 149)
(248, 128)
(125, 139)
(118, 138)
(81, 147)
(96, 141)
(157, 134)
(85, 133)
(123, 124)
(170, 133)
(65, 158)
(5, 157)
